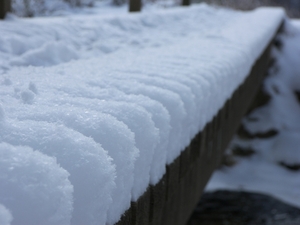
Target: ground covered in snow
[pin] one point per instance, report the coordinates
(92, 107)
(272, 165)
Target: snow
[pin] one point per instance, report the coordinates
(113, 98)
(286, 148)
(171, 102)
(91, 170)
(258, 175)
(161, 119)
(263, 172)
(56, 53)
(5, 215)
(34, 187)
(114, 136)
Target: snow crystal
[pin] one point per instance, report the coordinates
(34, 187)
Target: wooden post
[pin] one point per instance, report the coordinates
(135, 5)
(4, 8)
(185, 2)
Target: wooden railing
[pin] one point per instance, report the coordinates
(172, 200)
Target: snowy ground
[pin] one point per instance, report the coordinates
(262, 171)
(93, 106)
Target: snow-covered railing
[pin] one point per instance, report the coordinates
(90, 128)
(172, 200)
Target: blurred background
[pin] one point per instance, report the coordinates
(30, 8)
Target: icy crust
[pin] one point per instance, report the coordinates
(113, 121)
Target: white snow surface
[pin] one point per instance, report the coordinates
(5, 215)
(262, 172)
(113, 98)
(34, 188)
